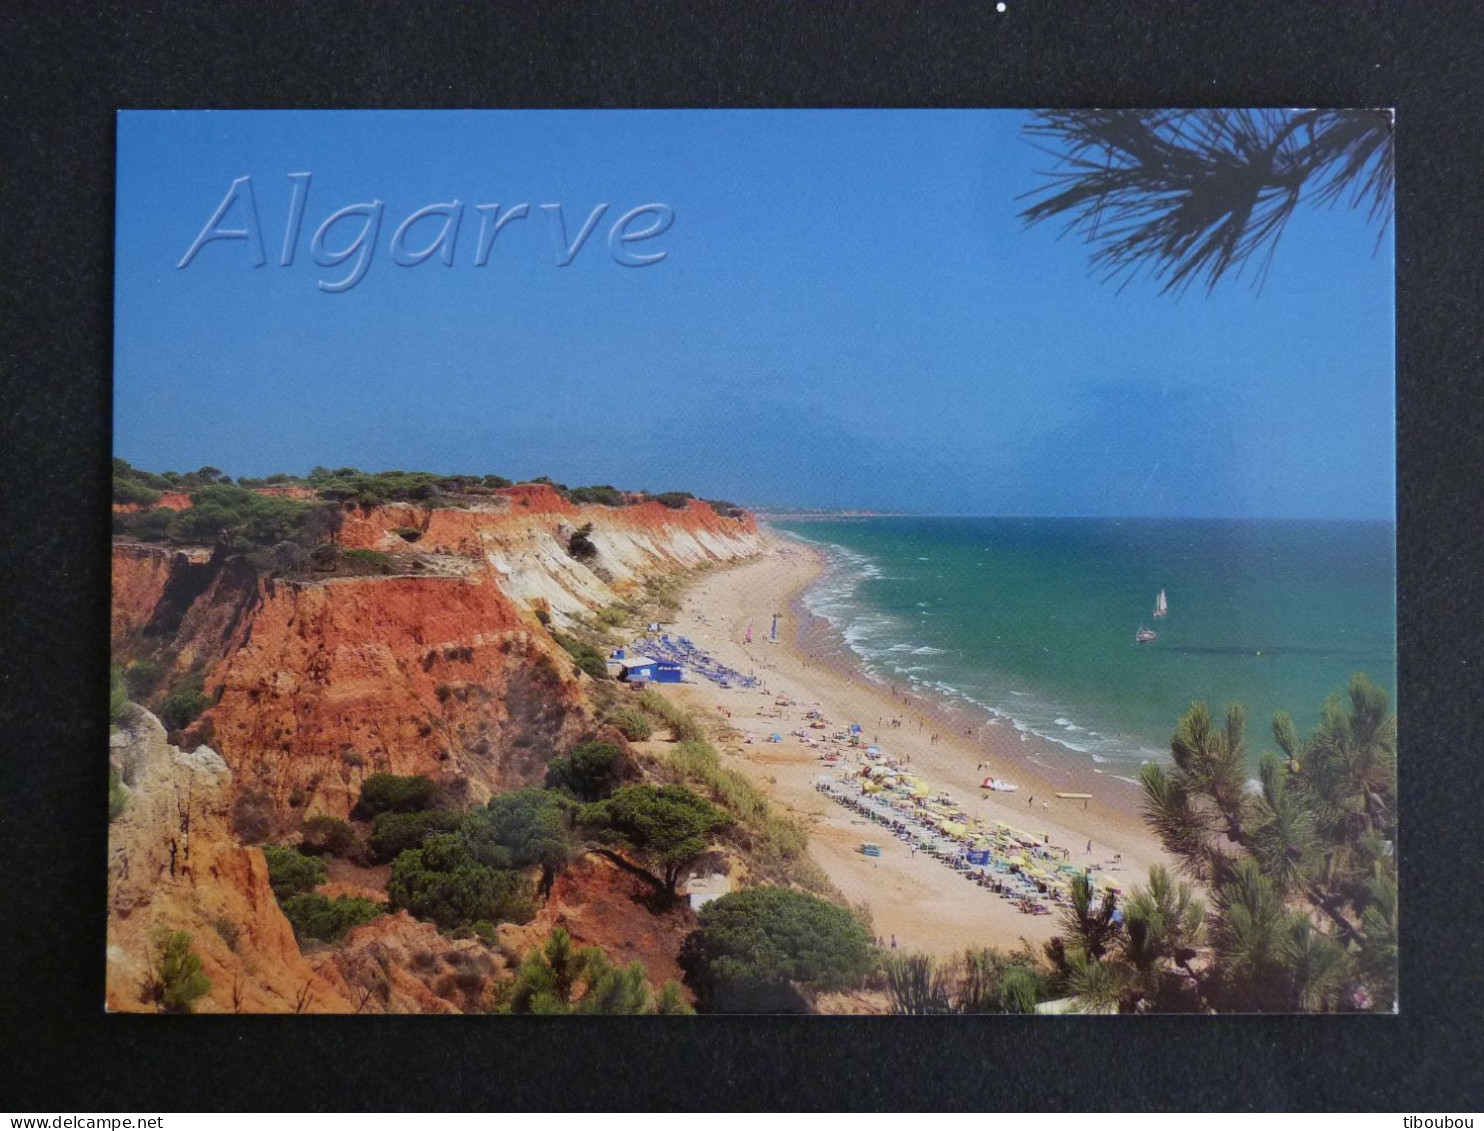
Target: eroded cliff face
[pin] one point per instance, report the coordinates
(174, 865)
(442, 669)
(325, 683)
(523, 541)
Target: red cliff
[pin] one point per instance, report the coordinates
(442, 668)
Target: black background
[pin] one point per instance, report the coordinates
(67, 67)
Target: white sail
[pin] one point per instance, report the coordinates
(1160, 607)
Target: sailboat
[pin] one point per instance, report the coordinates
(1161, 607)
(1145, 635)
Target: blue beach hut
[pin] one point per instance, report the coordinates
(636, 668)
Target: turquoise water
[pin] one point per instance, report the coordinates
(1031, 622)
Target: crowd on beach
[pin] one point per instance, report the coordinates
(1026, 869)
(1033, 874)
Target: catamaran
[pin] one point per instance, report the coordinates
(1161, 608)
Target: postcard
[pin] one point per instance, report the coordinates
(836, 562)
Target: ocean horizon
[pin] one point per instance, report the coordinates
(1030, 623)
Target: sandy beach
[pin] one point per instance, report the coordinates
(915, 898)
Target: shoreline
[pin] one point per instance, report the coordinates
(919, 901)
(1055, 768)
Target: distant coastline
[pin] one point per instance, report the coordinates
(767, 514)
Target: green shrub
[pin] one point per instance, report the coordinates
(613, 616)
(632, 723)
(315, 916)
(667, 826)
(367, 561)
(118, 696)
(394, 833)
(133, 491)
(980, 981)
(123, 469)
(671, 1002)
(177, 979)
(519, 829)
(381, 793)
(442, 882)
(118, 797)
(290, 872)
(726, 509)
(603, 495)
(675, 500)
(151, 525)
(243, 521)
(329, 836)
(590, 773)
(140, 678)
(580, 546)
(476, 873)
(184, 704)
(561, 979)
(753, 945)
(588, 658)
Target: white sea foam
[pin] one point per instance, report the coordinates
(876, 637)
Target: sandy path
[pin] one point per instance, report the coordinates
(919, 900)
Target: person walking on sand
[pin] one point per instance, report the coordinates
(1089, 848)
(894, 942)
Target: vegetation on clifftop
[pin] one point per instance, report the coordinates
(350, 485)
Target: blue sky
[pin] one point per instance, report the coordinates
(848, 313)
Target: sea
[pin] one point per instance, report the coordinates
(1030, 623)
